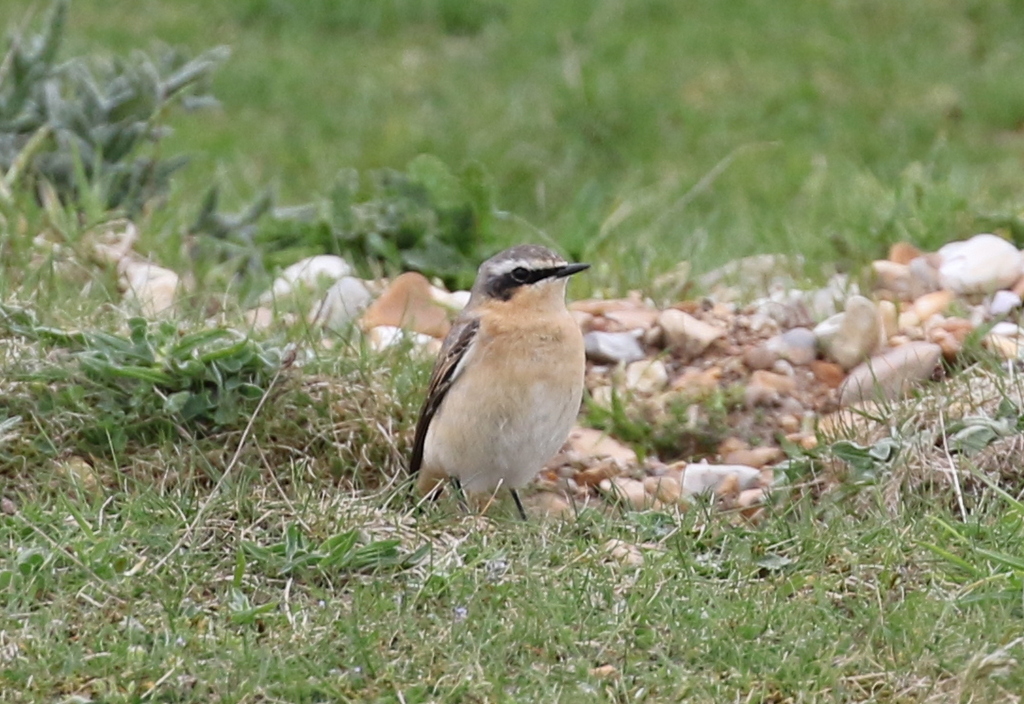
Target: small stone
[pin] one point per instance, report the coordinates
(931, 303)
(686, 335)
(116, 242)
(151, 287)
(1005, 347)
(983, 264)
(80, 472)
(750, 502)
(854, 336)
(626, 553)
(454, 301)
(767, 388)
(697, 383)
(895, 278)
(728, 488)
(666, 489)
(593, 476)
(633, 318)
(892, 373)
(705, 478)
(551, 504)
(903, 253)
(8, 507)
(788, 423)
(756, 457)
(887, 318)
(311, 273)
(384, 336)
(1003, 303)
(259, 318)
(606, 672)
(1018, 287)
(829, 373)
(588, 442)
(613, 347)
(343, 302)
(731, 444)
(407, 303)
(925, 272)
(626, 490)
(760, 357)
(646, 377)
(798, 346)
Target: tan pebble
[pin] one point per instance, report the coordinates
(8, 507)
(551, 504)
(789, 423)
(588, 442)
(931, 303)
(728, 487)
(407, 303)
(951, 347)
(828, 373)
(583, 319)
(750, 497)
(888, 316)
(756, 457)
(759, 357)
(697, 383)
(959, 328)
(779, 383)
(903, 253)
(809, 442)
(646, 376)
(1005, 347)
(731, 444)
(80, 472)
(593, 476)
(259, 318)
(626, 553)
(908, 319)
(665, 488)
(686, 335)
(633, 319)
(627, 490)
(604, 672)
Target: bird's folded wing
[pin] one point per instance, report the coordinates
(446, 371)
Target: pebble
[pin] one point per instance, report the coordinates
(552, 504)
(666, 488)
(1003, 303)
(8, 507)
(594, 475)
(613, 347)
(626, 553)
(892, 373)
(888, 317)
(932, 303)
(903, 253)
(767, 388)
(407, 303)
(760, 356)
(697, 383)
(343, 302)
(588, 442)
(646, 377)
(259, 318)
(704, 478)
(633, 318)
(628, 491)
(982, 264)
(756, 457)
(384, 336)
(311, 273)
(828, 373)
(797, 346)
(850, 338)
(152, 288)
(686, 335)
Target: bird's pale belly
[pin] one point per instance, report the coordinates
(506, 440)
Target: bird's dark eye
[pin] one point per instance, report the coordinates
(520, 275)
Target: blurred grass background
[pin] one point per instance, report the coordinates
(644, 131)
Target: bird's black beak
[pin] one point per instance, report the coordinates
(570, 269)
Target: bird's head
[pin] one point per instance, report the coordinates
(527, 275)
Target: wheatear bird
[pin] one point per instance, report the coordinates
(506, 388)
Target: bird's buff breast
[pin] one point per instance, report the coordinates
(510, 411)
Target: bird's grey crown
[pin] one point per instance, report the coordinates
(527, 256)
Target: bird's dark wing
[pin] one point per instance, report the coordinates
(458, 342)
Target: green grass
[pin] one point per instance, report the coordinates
(843, 126)
(272, 554)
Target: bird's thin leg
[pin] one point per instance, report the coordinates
(519, 503)
(460, 494)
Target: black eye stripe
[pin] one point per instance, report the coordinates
(504, 285)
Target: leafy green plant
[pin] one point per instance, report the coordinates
(108, 390)
(85, 121)
(344, 552)
(427, 218)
